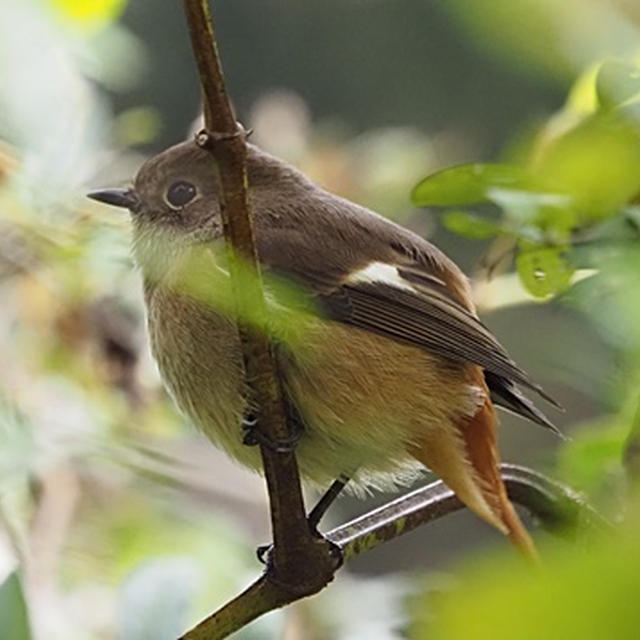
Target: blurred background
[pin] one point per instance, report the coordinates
(117, 519)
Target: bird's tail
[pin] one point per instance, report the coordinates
(466, 458)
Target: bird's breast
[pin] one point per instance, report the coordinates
(199, 359)
(364, 399)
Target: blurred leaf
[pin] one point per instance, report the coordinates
(632, 217)
(17, 444)
(204, 275)
(553, 39)
(530, 213)
(574, 596)
(139, 125)
(611, 298)
(133, 530)
(48, 110)
(617, 81)
(470, 226)
(114, 57)
(469, 184)
(597, 163)
(13, 610)
(85, 12)
(592, 459)
(155, 600)
(583, 96)
(544, 271)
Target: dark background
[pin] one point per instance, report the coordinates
(369, 63)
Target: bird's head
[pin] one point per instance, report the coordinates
(174, 204)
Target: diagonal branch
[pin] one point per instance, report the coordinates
(557, 507)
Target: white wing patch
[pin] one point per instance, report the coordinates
(381, 272)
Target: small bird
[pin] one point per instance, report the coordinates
(382, 356)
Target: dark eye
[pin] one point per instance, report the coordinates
(180, 193)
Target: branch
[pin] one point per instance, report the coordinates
(558, 508)
(256, 600)
(302, 561)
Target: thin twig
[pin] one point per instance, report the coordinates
(558, 508)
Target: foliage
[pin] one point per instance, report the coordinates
(565, 204)
(578, 594)
(574, 184)
(88, 11)
(13, 610)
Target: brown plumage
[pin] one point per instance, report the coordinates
(381, 351)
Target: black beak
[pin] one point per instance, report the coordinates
(126, 198)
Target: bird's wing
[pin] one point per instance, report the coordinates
(407, 291)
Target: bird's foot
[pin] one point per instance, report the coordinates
(263, 552)
(326, 500)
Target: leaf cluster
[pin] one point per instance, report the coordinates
(577, 185)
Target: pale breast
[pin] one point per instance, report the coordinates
(199, 359)
(363, 398)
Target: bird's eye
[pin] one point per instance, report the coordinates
(180, 193)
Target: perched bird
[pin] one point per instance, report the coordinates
(383, 358)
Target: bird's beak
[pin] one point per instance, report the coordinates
(126, 198)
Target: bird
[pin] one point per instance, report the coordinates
(385, 364)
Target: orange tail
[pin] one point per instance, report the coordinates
(479, 436)
(467, 460)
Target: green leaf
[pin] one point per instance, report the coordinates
(544, 271)
(583, 98)
(575, 595)
(469, 184)
(617, 82)
(597, 163)
(592, 460)
(13, 610)
(470, 226)
(543, 210)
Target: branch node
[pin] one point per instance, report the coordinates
(253, 436)
(302, 583)
(206, 139)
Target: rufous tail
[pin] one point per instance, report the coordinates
(466, 457)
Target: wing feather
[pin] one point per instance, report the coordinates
(426, 318)
(366, 271)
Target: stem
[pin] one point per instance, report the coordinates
(256, 600)
(294, 547)
(558, 508)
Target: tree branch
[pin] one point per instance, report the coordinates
(558, 508)
(299, 559)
